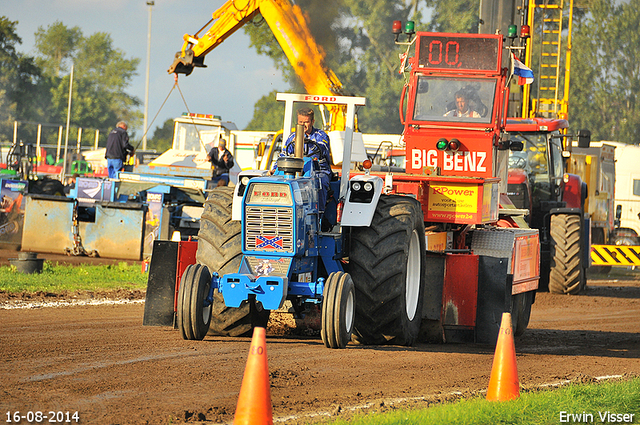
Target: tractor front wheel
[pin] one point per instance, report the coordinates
(194, 312)
(338, 310)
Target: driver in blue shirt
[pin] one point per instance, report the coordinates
(319, 150)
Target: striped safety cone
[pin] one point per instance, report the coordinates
(254, 401)
(504, 384)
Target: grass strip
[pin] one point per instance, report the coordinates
(598, 403)
(58, 278)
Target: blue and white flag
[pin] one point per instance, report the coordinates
(524, 74)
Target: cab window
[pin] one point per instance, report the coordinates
(454, 99)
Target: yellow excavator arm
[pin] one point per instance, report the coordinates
(289, 26)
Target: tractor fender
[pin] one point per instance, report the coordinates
(360, 204)
(568, 210)
(575, 191)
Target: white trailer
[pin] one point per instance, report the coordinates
(627, 202)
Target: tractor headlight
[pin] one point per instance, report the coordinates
(245, 180)
(361, 192)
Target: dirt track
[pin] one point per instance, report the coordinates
(101, 362)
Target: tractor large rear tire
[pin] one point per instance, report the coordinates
(387, 265)
(567, 275)
(220, 249)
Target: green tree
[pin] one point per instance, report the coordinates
(57, 44)
(454, 15)
(372, 68)
(101, 77)
(360, 50)
(267, 114)
(162, 137)
(605, 77)
(20, 96)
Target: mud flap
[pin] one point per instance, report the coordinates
(460, 297)
(494, 297)
(431, 329)
(168, 261)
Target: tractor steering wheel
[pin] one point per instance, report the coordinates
(314, 148)
(517, 162)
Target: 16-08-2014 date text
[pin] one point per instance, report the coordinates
(34, 417)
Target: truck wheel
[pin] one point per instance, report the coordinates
(567, 275)
(193, 316)
(521, 312)
(46, 186)
(338, 310)
(387, 264)
(220, 249)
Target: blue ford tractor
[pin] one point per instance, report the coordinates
(280, 247)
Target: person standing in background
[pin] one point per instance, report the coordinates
(222, 162)
(118, 148)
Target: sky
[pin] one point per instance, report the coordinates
(235, 77)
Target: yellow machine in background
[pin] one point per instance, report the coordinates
(550, 31)
(288, 24)
(596, 166)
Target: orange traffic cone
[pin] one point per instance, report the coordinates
(254, 401)
(503, 384)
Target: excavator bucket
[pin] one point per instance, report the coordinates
(185, 64)
(182, 64)
(178, 67)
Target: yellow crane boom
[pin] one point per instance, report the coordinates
(288, 24)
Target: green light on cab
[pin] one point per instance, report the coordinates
(442, 144)
(512, 31)
(409, 27)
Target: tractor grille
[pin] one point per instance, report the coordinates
(269, 229)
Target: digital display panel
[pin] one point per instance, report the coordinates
(464, 53)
